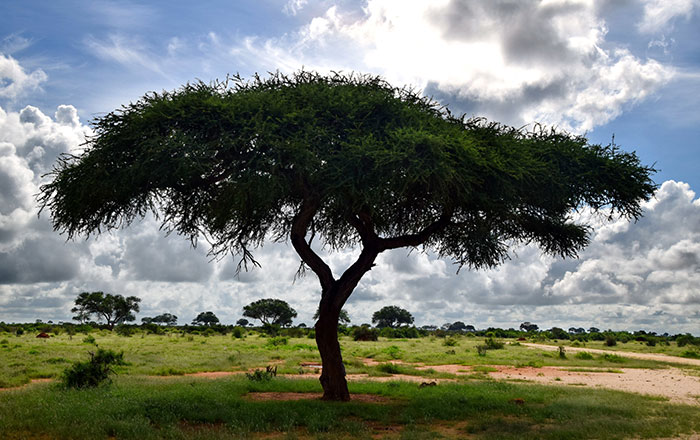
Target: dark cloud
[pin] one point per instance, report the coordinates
(39, 261)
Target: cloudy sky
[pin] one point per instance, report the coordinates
(623, 68)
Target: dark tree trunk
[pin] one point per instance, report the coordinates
(335, 387)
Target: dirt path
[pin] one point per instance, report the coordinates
(628, 354)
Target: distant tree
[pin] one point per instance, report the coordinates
(348, 159)
(391, 316)
(529, 327)
(577, 330)
(343, 318)
(205, 318)
(430, 327)
(270, 312)
(594, 330)
(470, 328)
(558, 333)
(457, 326)
(113, 309)
(445, 326)
(165, 318)
(243, 322)
(147, 320)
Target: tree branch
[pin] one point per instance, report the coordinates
(300, 225)
(412, 240)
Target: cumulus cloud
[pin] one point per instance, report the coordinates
(15, 81)
(518, 62)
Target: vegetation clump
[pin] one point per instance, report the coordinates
(262, 376)
(94, 372)
(365, 333)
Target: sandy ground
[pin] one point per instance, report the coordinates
(632, 355)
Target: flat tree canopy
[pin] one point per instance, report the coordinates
(113, 309)
(391, 316)
(270, 311)
(349, 159)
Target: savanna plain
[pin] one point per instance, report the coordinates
(246, 384)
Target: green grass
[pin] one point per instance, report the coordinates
(190, 408)
(26, 357)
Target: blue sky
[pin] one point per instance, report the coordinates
(600, 68)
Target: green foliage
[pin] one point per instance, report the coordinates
(237, 332)
(690, 354)
(562, 352)
(610, 340)
(449, 342)
(365, 333)
(584, 356)
(270, 311)
(389, 368)
(343, 318)
(492, 344)
(391, 316)
(613, 358)
(205, 318)
(113, 309)
(93, 372)
(277, 341)
(89, 339)
(262, 376)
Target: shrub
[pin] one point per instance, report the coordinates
(19, 332)
(389, 368)
(690, 354)
(613, 358)
(4, 342)
(93, 372)
(481, 350)
(262, 376)
(562, 352)
(584, 355)
(124, 330)
(89, 340)
(492, 344)
(610, 341)
(277, 341)
(651, 342)
(237, 332)
(449, 342)
(365, 333)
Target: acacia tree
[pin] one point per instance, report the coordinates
(113, 309)
(270, 312)
(205, 318)
(345, 158)
(391, 316)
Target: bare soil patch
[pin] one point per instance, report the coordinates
(628, 354)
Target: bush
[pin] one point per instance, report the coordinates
(492, 344)
(481, 350)
(584, 355)
(389, 368)
(365, 333)
(237, 332)
(93, 372)
(19, 332)
(449, 342)
(124, 330)
(393, 351)
(277, 341)
(562, 352)
(610, 341)
(262, 376)
(613, 358)
(690, 354)
(89, 340)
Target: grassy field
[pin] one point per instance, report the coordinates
(142, 404)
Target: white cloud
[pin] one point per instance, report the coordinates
(660, 14)
(14, 81)
(522, 62)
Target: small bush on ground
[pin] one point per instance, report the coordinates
(277, 341)
(584, 355)
(365, 333)
(262, 376)
(450, 342)
(89, 340)
(492, 344)
(690, 354)
(610, 341)
(93, 372)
